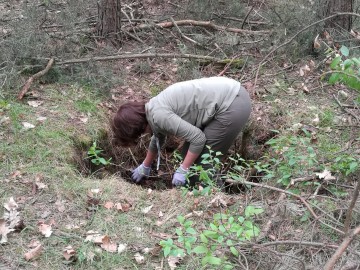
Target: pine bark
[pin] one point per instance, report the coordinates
(109, 20)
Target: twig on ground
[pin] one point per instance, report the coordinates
(206, 24)
(351, 207)
(144, 55)
(341, 249)
(230, 181)
(34, 77)
(345, 110)
(132, 155)
(300, 243)
(182, 35)
(246, 16)
(227, 66)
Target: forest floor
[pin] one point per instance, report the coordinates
(68, 213)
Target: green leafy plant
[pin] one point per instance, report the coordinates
(93, 154)
(346, 164)
(345, 69)
(215, 243)
(209, 168)
(293, 156)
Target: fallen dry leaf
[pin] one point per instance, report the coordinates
(69, 253)
(4, 231)
(45, 229)
(16, 174)
(33, 253)
(27, 125)
(41, 118)
(94, 237)
(160, 214)
(95, 190)
(11, 205)
(326, 175)
(108, 245)
(33, 243)
(60, 205)
(35, 103)
(173, 261)
(121, 248)
(147, 209)
(109, 205)
(218, 202)
(139, 258)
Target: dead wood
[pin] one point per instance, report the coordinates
(34, 77)
(207, 59)
(351, 208)
(341, 249)
(206, 24)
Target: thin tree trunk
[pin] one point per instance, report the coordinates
(335, 6)
(109, 20)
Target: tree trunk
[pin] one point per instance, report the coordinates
(334, 6)
(109, 20)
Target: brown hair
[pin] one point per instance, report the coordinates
(129, 123)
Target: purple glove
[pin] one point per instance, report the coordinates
(140, 172)
(179, 178)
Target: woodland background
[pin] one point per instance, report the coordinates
(293, 174)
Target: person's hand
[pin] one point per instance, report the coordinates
(140, 172)
(179, 178)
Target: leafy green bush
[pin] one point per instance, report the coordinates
(221, 236)
(345, 69)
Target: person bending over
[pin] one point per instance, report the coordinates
(204, 112)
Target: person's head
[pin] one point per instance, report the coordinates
(129, 123)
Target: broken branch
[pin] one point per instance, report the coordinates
(206, 24)
(34, 77)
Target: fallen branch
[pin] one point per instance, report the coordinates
(206, 24)
(230, 181)
(145, 55)
(233, 182)
(344, 109)
(34, 77)
(341, 249)
(300, 243)
(351, 208)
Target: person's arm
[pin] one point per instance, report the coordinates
(150, 156)
(189, 160)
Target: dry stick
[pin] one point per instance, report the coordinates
(145, 55)
(247, 15)
(34, 77)
(341, 249)
(300, 243)
(351, 207)
(182, 35)
(230, 181)
(264, 60)
(344, 109)
(202, 24)
(227, 66)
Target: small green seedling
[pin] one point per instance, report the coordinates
(94, 153)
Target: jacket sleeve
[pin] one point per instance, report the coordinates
(171, 123)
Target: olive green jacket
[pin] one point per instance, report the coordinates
(185, 108)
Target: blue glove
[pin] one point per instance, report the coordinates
(140, 172)
(179, 178)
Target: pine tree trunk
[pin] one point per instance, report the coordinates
(335, 6)
(109, 20)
